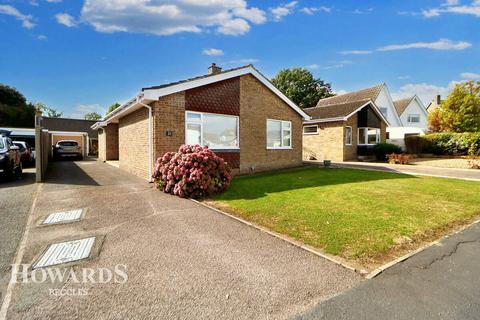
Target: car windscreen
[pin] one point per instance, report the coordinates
(2, 144)
(68, 144)
(19, 145)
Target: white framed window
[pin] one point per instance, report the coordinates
(348, 135)
(310, 129)
(413, 118)
(384, 111)
(279, 134)
(217, 131)
(368, 136)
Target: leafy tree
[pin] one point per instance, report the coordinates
(92, 116)
(51, 112)
(15, 111)
(113, 107)
(460, 112)
(301, 87)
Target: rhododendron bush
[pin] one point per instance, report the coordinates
(194, 171)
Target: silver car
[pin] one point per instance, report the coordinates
(67, 148)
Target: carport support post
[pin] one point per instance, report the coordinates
(38, 146)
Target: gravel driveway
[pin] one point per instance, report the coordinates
(184, 261)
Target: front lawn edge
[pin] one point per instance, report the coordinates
(287, 239)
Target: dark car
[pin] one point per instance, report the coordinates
(10, 163)
(26, 155)
(67, 148)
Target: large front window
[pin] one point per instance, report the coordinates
(279, 134)
(217, 131)
(368, 136)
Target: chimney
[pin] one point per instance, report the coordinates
(214, 69)
(438, 99)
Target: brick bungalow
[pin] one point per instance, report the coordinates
(238, 113)
(342, 130)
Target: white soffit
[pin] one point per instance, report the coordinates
(65, 252)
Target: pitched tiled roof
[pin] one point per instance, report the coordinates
(401, 105)
(195, 78)
(364, 94)
(334, 110)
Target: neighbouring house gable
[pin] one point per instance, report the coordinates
(412, 111)
(385, 103)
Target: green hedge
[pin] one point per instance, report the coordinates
(445, 143)
(382, 149)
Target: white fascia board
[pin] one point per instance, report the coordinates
(422, 106)
(68, 133)
(313, 121)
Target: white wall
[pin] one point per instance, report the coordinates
(415, 108)
(384, 101)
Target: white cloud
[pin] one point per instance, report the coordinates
(213, 52)
(313, 10)
(80, 110)
(331, 65)
(340, 92)
(283, 10)
(442, 44)
(470, 75)
(426, 92)
(355, 52)
(42, 37)
(451, 3)
(230, 17)
(243, 61)
(363, 11)
(234, 27)
(27, 20)
(54, 1)
(454, 7)
(66, 20)
(403, 77)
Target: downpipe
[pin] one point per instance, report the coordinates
(150, 138)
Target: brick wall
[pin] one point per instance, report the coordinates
(169, 116)
(257, 104)
(133, 144)
(328, 144)
(102, 145)
(108, 142)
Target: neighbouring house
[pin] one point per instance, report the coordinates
(380, 95)
(435, 103)
(238, 113)
(62, 129)
(414, 118)
(343, 129)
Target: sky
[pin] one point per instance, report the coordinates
(82, 56)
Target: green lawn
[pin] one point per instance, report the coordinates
(355, 214)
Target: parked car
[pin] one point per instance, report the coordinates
(67, 148)
(10, 163)
(26, 155)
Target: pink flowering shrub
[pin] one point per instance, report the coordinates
(193, 172)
